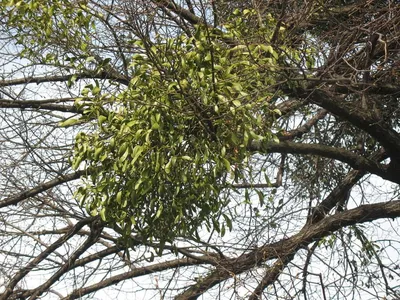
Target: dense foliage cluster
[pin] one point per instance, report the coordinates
(167, 146)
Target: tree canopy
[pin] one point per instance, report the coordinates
(199, 149)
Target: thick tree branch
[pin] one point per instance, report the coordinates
(177, 263)
(380, 89)
(180, 11)
(341, 191)
(289, 106)
(365, 120)
(14, 200)
(298, 132)
(96, 227)
(288, 247)
(355, 161)
(64, 78)
(45, 105)
(101, 254)
(271, 275)
(24, 271)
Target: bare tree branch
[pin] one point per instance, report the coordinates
(63, 78)
(14, 200)
(43, 105)
(132, 274)
(24, 271)
(287, 247)
(356, 161)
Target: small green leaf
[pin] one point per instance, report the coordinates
(228, 221)
(277, 111)
(236, 103)
(103, 214)
(137, 151)
(96, 90)
(223, 151)
(260, 197)
(97, 152)
(159, 211)
(227, 164)
(101, 119)
(118, 197)
(222, 230)
(76, 162)
(69, 122)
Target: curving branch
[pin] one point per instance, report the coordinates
(298, 132)
(355, 161)
(96, 227)
(14, 200)
(284, 249)
(340, 192)
(177, 263)
(24, 271)
(271, 275)
(365, 120)
(180, 11)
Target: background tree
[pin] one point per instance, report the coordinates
(199, 149)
